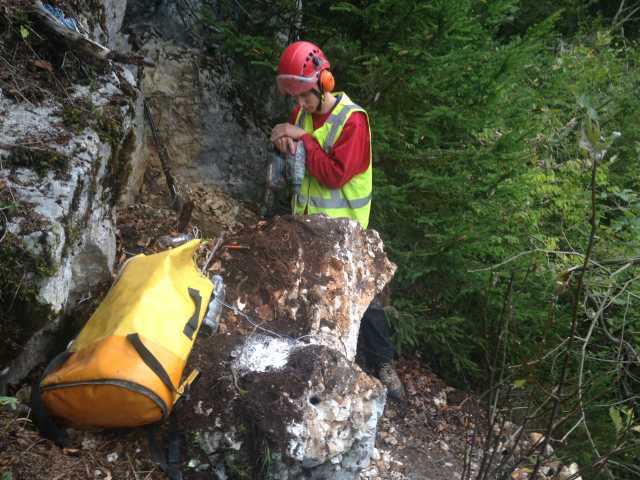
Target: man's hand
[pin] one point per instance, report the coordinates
(286, 130)
(285, 145)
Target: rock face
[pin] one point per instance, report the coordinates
(61, 224)
(281, 396)
(191, 104)
(64, 163)
(298, 288)
(173, 20)
(114, 11)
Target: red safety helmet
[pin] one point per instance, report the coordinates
(303, 66)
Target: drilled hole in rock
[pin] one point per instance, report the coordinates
(315, 400)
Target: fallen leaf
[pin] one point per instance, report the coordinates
(521, 474)
(43, 64)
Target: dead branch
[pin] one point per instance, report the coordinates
(81, 43)
(621, 8)
(210, 255)
(625, 262)
(628, 12)
(575, 307)
(4, 223)
(180, 201)
(581, 403)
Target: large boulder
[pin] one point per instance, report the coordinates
(281, 396)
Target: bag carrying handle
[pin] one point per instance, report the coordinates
(192, 325)
(151, 361)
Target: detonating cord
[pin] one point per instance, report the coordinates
(236, 311)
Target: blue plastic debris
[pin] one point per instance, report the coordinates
(68, 22)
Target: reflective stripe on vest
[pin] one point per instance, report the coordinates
(336, 201)
(336, 122)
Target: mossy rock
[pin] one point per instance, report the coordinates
(109, 125)
(107, 122)
(78, 115)
(21, 314)
(237, 466)
(40, 160)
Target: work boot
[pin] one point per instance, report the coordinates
(390, 379)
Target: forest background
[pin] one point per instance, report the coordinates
(506, 148)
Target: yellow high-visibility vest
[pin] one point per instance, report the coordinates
(352, 200)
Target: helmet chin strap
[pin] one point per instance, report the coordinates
(320, 95)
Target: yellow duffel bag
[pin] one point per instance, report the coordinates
(125, 366)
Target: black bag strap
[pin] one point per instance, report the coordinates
(169, 461)
(192, 324)
(151, 361)
(46, 425)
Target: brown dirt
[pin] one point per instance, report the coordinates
(428, 435)
(420, 440)
(266, 266)
(113, 455)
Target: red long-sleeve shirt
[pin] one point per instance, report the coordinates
(348, 157)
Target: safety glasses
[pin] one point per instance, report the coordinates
(295, 84)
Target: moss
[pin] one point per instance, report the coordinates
(21, 314)
(72, 236)
(120, 166)
(110, 129)
(17, 261)
(109, 126)
(75, 200)
(237, 467)
(40, 160)
(78, 115)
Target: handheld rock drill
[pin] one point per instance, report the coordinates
(287, 171)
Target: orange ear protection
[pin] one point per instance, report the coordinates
(326, 81)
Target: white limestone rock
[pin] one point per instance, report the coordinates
(64, 218)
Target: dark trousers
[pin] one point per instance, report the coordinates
(374, 341)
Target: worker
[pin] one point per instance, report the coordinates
(335, 134)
